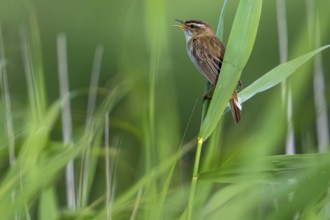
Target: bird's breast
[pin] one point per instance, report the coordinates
(190, 49)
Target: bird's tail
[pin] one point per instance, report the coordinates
(236, 107)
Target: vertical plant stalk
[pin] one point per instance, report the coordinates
(34, 101)
(35, 107)
(107, 167)
(286, 89)
(136, 204)
(154, 65)
(200, 140)
(84, 172)
(8, 110)
(110, 167)
(285, 85)
(92, 95)
(322, 126)
(7, 104)
(66, 116)
(194, 178)
(37, 61)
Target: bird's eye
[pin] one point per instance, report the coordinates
(192, 26)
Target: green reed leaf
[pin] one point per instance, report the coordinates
(276, 75)
(240, 44)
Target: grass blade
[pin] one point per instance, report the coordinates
(240, 44)
(48, 207)
(276, 75)
(88, 163)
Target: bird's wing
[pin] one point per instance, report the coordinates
(209, 56)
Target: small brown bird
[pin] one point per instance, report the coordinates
(206, 52)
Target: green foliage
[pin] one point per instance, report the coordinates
(241, 41)
(277, 75)
(145, 87)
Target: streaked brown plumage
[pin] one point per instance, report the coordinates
(206, 52)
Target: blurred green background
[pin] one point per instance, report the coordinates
(139, 44)
(121, 28)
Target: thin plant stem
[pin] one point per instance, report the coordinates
(36, 112)
(198, 154)
(107, 167)
(92, 95)
(194, 178)
(8, 112)
(286, 89)
(83, 179)
(200, 140)
(220, 27)
(7, 103)
(322, 126)
(66, 116)
(136, 204)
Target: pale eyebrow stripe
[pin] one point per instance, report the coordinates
(197, 24)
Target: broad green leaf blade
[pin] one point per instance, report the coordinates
(276, 75)
(48, 208)
(241, 41)
(221, 198)
(38, 137)
(284, 166)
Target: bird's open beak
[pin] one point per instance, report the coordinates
(180, 26)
